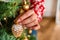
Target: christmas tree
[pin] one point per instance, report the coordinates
(9, 10)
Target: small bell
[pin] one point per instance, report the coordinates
(25, 5)
(26, 38)
(21, 11)
(5, 18)
(28, 35)
(30, 31)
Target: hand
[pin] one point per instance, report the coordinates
(29, 19)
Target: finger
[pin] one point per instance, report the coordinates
(32, 24)
(15, 21)
(26, 15)
(30, 19)
(37, 27)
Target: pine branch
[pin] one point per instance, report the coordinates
(8, 9)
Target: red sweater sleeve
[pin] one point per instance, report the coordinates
(38, 7)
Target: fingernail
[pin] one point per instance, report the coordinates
(18, 21)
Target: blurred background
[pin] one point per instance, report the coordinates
(50, 25)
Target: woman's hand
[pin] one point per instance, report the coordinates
(29, 19)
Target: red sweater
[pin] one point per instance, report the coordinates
(38, 7)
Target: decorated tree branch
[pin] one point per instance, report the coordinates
(10, 30)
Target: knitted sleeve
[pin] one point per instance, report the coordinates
(38, 6)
